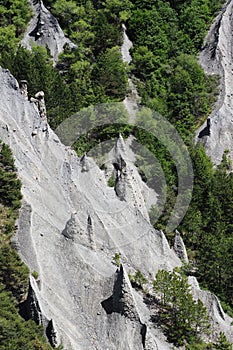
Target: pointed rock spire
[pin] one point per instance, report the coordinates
(120, 168)
(179, 247)
(122, 300)
(84, 163)
(72, 227)
(45, 30)
(90, 231)
(120, 145)
(165, 245)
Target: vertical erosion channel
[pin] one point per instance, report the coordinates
(132, 98)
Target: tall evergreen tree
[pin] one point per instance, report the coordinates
(182, 318)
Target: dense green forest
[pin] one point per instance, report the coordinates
(167, 37)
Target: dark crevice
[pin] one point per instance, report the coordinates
(24, 310)
(115, 302)
(206, 130)
(51, 334)
(120, 164)
(30, 309)
(143, 334)
(213, 45)
(35, 32)
(213, 49)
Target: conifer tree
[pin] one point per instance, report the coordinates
(222, 343)
(182, 318)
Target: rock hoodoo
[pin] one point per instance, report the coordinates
(72, 227)
(40, 104)
(24, 88)
(179, 247)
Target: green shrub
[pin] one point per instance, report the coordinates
(138, 279)
(222, 343)
(111, 181)
(35, 274)
(117, 259)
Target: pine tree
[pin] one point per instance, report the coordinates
(9, 183)
(110, 75)
(222, 343)
(183, 318)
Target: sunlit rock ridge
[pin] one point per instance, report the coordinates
(216, 58)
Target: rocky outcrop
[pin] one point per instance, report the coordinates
(216, 58)
(30, 309)
(129, 186)
(122, 302)
(24, 89)
(44, 30)
(218, 319)
(70, 226)
(121, 174)
(180, 248)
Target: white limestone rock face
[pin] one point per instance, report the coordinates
(216, 58)
(180, 248)
(129, 186)
(219, 321)
(71, 225)
(44, 29)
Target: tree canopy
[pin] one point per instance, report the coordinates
(183, 319)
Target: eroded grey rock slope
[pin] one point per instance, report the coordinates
(216, 58)
(70, 227)
(45, 30)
